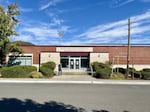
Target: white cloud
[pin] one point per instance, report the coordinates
(23, 37)
(25, 9)
(39, 32)
(111, 32)
(55, 21)
(50, 3)
(119, 3)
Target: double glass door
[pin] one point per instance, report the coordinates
(75, 63)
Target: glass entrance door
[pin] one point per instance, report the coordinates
(75, 63)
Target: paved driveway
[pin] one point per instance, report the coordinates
(73, 98)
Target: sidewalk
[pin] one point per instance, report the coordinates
(75, 79)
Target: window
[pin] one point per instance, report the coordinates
(20, 60)
(65, 63)
(84, 63)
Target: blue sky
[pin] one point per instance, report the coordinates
(82, 21)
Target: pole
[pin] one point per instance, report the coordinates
(128, 50)
(61, 33)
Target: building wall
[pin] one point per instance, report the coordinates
(36, 50)
(100, 57)
(50, 56)
(139, 55)
(137, 67)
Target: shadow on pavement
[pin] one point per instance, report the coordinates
(17, 105)
(106, 111)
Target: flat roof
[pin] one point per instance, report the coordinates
(89, 45)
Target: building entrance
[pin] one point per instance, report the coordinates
(75, 63)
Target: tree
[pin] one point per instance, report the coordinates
(8, 21)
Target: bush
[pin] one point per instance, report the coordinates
(137, 74)
(17, 71)
(120, 70)
(146, 73)
(46, 71)
(117, 76)
(146, 70)
(36, 74)
(102, 70)
(97, 65)
(50, 65)
(103, 73)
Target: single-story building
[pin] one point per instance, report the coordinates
(79, 57)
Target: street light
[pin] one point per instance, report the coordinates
(61, 33)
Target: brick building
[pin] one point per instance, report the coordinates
(78, 58)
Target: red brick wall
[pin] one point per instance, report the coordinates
(36, 50)
(139, 54)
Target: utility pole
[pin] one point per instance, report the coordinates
(128, 49)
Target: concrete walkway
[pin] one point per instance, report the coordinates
(75, 79)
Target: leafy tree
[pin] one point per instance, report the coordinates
(8, 21)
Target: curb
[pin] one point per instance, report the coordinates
(122, 82)
(107, 82)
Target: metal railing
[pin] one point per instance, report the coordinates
(59, 69)
(90, 70)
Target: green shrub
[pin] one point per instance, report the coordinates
(137, 74)
(103, 73)
(36, 74)
(50, 65)
(146, 75)
(105, 66)
(102, 70)
(108, 63)
(97, 65)
(146, 70)
(117, 76)
(120, 70)
(17, 71)
(46, 71)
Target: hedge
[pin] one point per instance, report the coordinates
(117, 76)
(36, 74)
(47, 72)
(120, 70)
(137, 74)
(146, 70)
(102, 70)
(50, 65)
(103, 73)
(17, 71)
(146, 73)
